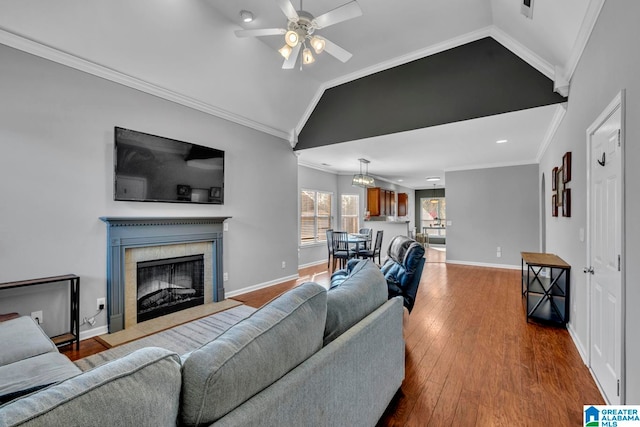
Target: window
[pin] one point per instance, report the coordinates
(349, 213)
(315, 216)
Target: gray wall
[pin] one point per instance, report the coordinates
(609, 64)
(490, 208)
(56, 180)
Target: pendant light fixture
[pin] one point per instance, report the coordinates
(363, 180)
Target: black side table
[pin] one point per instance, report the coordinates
(545, 287)
(74, 322)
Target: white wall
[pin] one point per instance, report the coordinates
(609, 64)
(56, 180)
(490, 208)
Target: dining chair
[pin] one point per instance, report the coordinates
(377, 248)
(341, 250)
(369, 233)
(329, 246)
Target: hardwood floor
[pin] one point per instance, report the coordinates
(471, 357)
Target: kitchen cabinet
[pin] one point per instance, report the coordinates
(403, 204)
(381, 202)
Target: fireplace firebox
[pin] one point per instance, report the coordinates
(168, 285)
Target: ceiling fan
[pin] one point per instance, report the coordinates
(300, 30)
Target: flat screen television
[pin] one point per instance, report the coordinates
(150, 168)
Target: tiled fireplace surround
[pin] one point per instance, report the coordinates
(130, 240)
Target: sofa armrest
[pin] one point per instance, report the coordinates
(140, 389)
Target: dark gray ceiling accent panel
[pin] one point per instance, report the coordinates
(478, 79)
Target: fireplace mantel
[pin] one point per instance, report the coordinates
(133, 232)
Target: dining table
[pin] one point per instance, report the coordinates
(356, 239)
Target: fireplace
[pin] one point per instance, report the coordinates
(168, 285)
(131, 241)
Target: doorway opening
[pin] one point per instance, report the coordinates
(433, 225)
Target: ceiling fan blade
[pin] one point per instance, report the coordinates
(288, 9)
(336, 51)
(339, 14)
(291, 61)
(260, 32)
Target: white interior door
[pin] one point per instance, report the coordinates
(605, 248)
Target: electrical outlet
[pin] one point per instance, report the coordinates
(101, 304)
(225, 276)
(37, 316)
(284, 264)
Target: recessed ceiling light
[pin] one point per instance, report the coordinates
(400, 180)
(433, 178)
(246, 16)
(501, 141)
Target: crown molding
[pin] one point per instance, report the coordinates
(558, 115)
(491, 166)
(317, 167)
(523, 52)
(64, 58)
(589, 22)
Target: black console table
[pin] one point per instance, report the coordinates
(74, 325)
(545, 287)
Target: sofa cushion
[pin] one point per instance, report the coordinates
(34, 372)
(140, 389)
(27, 340)
(253, 354)
(364, 290)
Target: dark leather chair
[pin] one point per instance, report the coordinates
(403, 269)
(375, 251)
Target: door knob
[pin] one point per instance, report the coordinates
(588, 270)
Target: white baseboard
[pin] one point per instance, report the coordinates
(312, 264)
(94, 332)
(484, 264)
(584, 354)
(237, 292)
(576, 341)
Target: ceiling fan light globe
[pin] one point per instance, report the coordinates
(307, 56)
(318, 44)
(285, 51)
(291, 38)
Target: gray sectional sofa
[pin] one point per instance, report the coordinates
(310, 357)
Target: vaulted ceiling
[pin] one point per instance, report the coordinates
(187, 51)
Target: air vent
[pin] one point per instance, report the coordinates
(526, 8)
